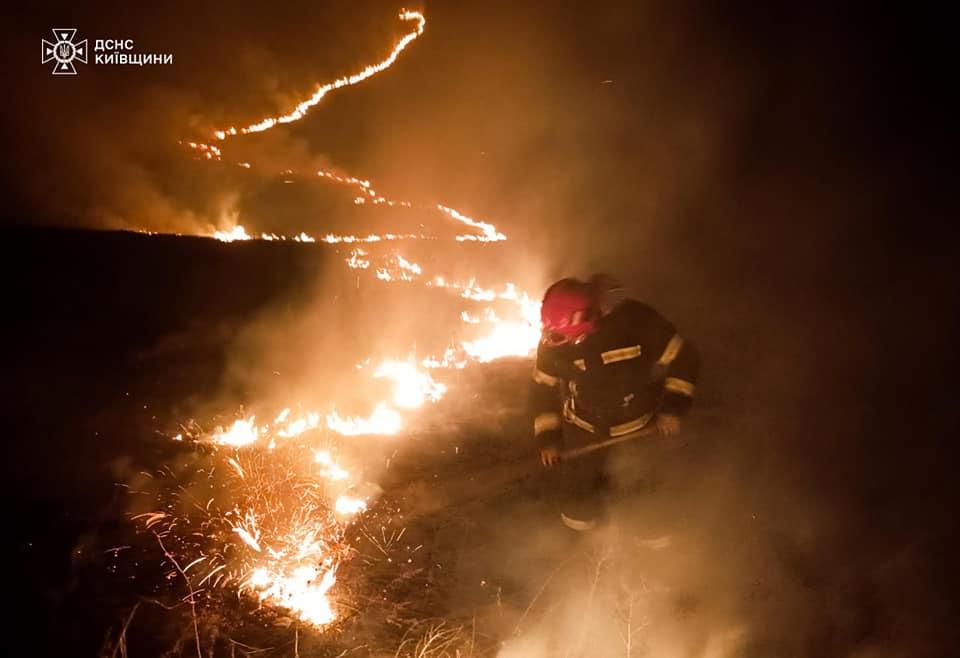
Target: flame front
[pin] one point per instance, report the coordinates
(302, 107)
(275, 529)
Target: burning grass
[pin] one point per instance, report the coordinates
(265, 521)
(254, 557)
(263, 511)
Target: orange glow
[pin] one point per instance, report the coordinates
(289, 541)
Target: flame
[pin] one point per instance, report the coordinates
(331, 470)
(357, 260)
(411, 387)
(489, 232)
(330, 238)
(383, 420)
(348, 505)
(304, 591)
(232, 235)
(301, 109)
(506, 339)
(287, 542)
(286, 531)
(311, 420)
(407, 266)
(207, 151)
(243, 432)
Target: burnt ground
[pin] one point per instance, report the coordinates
(790, 530)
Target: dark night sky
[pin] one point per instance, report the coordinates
(770, 171)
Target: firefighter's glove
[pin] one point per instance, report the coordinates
(668, 424)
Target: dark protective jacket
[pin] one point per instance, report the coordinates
(631, 367)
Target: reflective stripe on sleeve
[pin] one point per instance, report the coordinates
(677, 385)
(541, 377)
(671, 350)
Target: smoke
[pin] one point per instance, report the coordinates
(747, 227)
(102, 149)
(622, 598)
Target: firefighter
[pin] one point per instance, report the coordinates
(607, 367)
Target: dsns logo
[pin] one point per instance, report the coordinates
(63, 51)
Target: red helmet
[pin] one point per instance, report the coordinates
(568, 311)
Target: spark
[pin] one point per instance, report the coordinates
(248, 539)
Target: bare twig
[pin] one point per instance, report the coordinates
(473, 634)
(121, 645)
(246, 648)
(597, 569)
(193, 603)
(434, 643)
(628, 631)
(543, 587)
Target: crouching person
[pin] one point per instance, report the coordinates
(607, 367)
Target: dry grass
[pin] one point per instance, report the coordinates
(439, 640)
(118, 648)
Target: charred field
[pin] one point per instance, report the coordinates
(719, 546)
